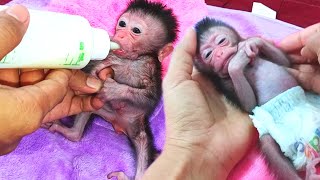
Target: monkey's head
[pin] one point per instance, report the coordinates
(145, 28)
(217, 43)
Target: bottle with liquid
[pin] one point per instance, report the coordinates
(56, 40)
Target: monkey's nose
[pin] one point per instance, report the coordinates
(218, 53)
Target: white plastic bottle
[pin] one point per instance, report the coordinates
(56, 40)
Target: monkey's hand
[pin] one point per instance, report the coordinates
(238, 62)
(252, 46)
(112, 90)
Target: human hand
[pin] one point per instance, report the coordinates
(203, 130)
(58, 94)
(303, 46)
(304, 49)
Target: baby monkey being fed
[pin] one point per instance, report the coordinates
(252, 74)
(145, 33)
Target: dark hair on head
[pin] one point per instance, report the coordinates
(206, 23)
(160, 12)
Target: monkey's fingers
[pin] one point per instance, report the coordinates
(181, 65)
(106, 73)
(9, 77)
(31, 76)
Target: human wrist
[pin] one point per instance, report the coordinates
(199, 158)
(182, 160)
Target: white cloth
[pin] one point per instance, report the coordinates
(293, 120)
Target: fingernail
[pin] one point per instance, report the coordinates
(19, 12)
(94, 83)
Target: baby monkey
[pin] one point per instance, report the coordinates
(145, 32)
(252, 74)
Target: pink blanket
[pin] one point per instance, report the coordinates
(43, 155)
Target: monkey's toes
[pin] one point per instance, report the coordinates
(46, 125)
(69, 133)
(119, 175)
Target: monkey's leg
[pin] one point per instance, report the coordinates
(311, 171)
(142, 143)
(278, 163)
(76, 131)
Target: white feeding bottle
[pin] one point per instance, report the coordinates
(56, 40)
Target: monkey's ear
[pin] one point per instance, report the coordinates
(165, 51)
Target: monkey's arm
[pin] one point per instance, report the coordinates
(241, 85)
(272, 53)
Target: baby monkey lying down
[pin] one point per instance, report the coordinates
(252, 74)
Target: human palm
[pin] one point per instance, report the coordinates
(200, 119)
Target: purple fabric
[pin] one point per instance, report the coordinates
(46, 156)
(43, 155)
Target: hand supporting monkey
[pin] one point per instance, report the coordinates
(203, 130)
(55, 96)
(304, 49)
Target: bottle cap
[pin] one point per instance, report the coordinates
(101, 44)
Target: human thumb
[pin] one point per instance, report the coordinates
(14, 22)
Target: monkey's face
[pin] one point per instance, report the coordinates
(138, 34)
(217, 47)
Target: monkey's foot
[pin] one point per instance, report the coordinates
(46, 125)
(49, 124)
(311, 170)
(72, 134)
(120, 175)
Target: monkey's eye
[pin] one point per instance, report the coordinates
(221, 41)
(208, 54)
(122, 24)
(136, 30)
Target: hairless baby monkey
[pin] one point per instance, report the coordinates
(252, 74)
(145, 33)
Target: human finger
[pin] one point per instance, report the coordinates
(13, 22)
(312, 47)
(71, 105)
(308, 76)
(9, 77)
(31, 76)
(298, 59)
(84, 83)
(298, 39)
(181, 64)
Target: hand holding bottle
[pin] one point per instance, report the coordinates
(58, 93)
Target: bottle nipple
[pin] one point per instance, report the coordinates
(114, 46)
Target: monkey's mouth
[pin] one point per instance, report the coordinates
(119, 52)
